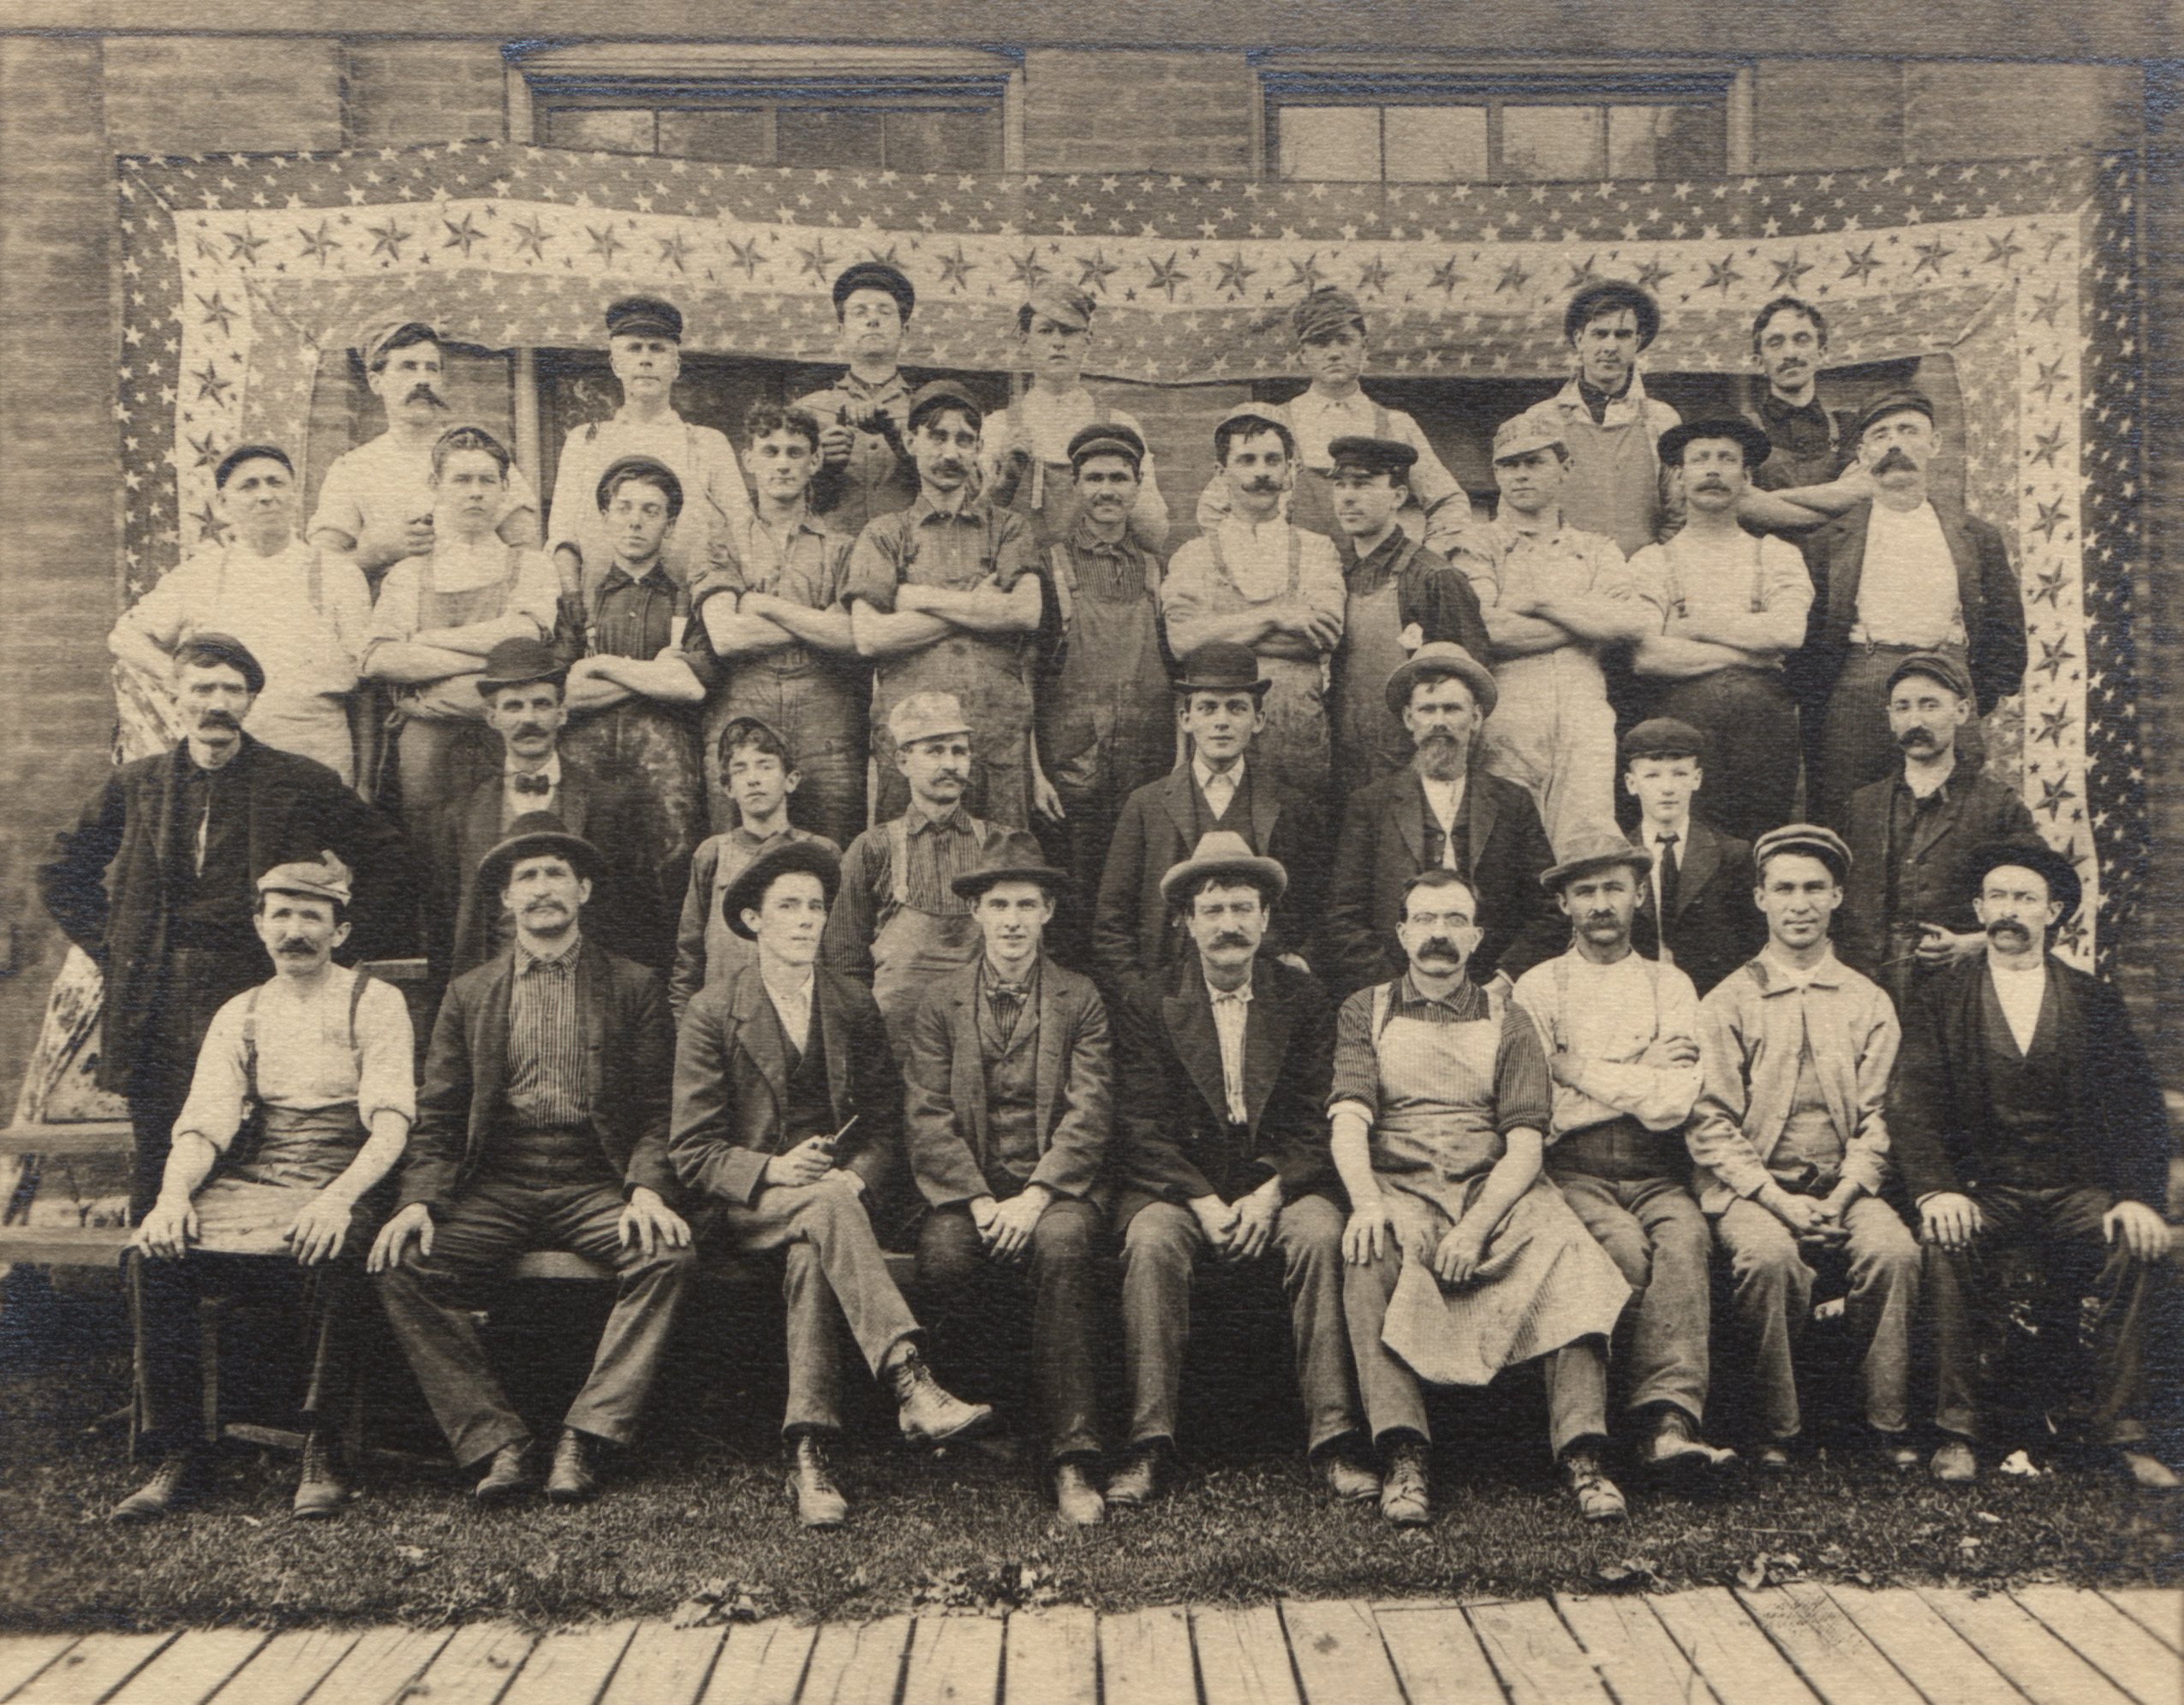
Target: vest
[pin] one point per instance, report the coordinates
(1237, 818)
(2028, 1096)
(809, 1108)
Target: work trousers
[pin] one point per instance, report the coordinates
(1653, 1231)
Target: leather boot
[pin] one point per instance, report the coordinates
(511, 1472)
(1599, 1498)
(574, 1477)
(319, 1492)
(1404, 1497)
(171, 1488)
(1137, 1481)
(927, 1414)
(820, 1502)
(1075, 1497)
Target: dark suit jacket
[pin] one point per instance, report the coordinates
(623, 1010)
(731, 1085)
(1975, 808)
(105, 880)
(944, 1108)
(623, 912)
(1986, 587)
(1938, 1108)
(1133, 937)
(1173, 1142)
(1716, 927)
(1383, 845)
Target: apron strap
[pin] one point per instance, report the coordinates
(1758, 577)
(356, 1000)
(1212, 535)
(1379, 422)
(1383, 996)
(1064, 580)
(1673, 577)
(1296, 557)
(898, 858)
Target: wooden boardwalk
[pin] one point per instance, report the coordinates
(1795, 1645)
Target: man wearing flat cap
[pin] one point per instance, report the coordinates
(644, 342)
(1220, 785)
(301, 1104)
(1908, 907)
(787, 1116)
(1695, 910)
(866, 469)
(1906, 570)
(1006, 1119)
(1441, 810)
(1252, 579)
(2027, 1120)
(156, 883)
(945, 597)
(1221, 1159)
(1790, 1148)
(1730, 607)
(541, 1124)
(1027, 459)
(1622, 1037)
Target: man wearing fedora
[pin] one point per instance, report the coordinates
(1908, 907)
(1442, 811)
(541, 1124)
(522, 686)
(2025, 1117)
(945, 597)
(1219, 696)
(787, 1113)
(1221, 1159)
(1790, 1145)
(1730, 606)
(1695, 910)
(1006, 1120)
(1903, 571)
(1621, 1036)
(866, 466)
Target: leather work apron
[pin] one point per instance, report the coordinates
(437, 729)
(1614, 485)
(911, 948)
(1293, 745)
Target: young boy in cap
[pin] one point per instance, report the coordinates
(944, 597)
(1695, 909)
(864, 443)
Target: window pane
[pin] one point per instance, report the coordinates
(625, 130)
(1436, 144)
(745, 137)
(820, 136)
(943, 139)
(1339, 143)
(1550, 142)
(1664, 141)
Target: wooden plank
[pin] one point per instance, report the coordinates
(476, 1665)
(1924, 1648)
(88, 1136)
(1340, 1658)
(1053, 1656)
(22, 1656)
(380, 1666)
(90, 1669)
(1243, 1659)
(954, 1660)
(2110, 1641)
(569, 1668)
(1839, 1663)
(1436, 1654)
(2158, 1610)
(64, 1245)
(856, 1663)
(2043, 1668)
(1632, 1650)
(762, 1664)
(193, 1668)
(1145, 1657)
(288, 1667)
(1538, 1660)
(664, 1665)
(1727, 1646)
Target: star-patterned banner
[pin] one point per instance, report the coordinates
(240, 272)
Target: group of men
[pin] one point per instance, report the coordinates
(1051, 906)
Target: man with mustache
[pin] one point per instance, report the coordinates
(1442, 812)
(301, 1104)
(1221, 1159)
(2027, 1118)
(866, 469)
(1790, 1147)
(1621, 1035)
(1461, 1258)
(1908, 909)
(1252, 579)
(541, 1124)
(1732, 607)
(376, 502)
(945, 597)
(1905, 570)
(155, 882)
(1006, 1119)
(1808, 444)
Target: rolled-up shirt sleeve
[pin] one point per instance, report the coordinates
(1522, 1089)
(386, 1049)
(221, 1084)
(1356, 1082)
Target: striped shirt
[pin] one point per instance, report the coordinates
(546, 1090)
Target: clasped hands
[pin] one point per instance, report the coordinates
(1239, 1231)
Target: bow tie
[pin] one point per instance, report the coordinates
(537, 783)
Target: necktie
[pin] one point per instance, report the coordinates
(1220, 789)
(1008, 1003)
(533, 784)
(1665, 883)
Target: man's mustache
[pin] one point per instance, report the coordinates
(226, 720)
(1711, 483)
(1893, 460)
(1263, 482)
(949, 464)
(545, 903)
(1229, 938)
(422, 392)
(301, 950)
(1918, 737)
(2009, 929)
(1439, 947)
(523, 729)
(1595, 920)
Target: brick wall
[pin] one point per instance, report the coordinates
(1957, 111)
(404, 91)
(204, 94)
(1137, 110)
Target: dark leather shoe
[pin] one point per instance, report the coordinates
(1081, 1504)
(1137, 1481)
(1599, 1498)
(1405, 1495)
(927, 1414)
(1351, 1482)
(1676, 1452)
(510, 1473)
(319, 1492)
(573, 1478)
(171, 1487)
(820, 1503)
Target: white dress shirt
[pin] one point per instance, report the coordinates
(1217, 786)
(1906, 592)
(792, 1006)
(1232, 1011)
(1446, 801)
(514, 804)
(2020, 994)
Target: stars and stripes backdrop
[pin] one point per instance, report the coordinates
(240, 274)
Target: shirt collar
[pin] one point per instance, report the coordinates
(1680, 829)
(806, 522)
(1468, 1000)
(551, 769)
(1775, 409)
(1781, 977)
(1202, 774)
(893, 385)
(745, 838)
(794, 994)
(924, 509)
(1242, 992)
(1083, 538)
(526, 961)
(190, 770)
(1941, 793)
(1382, 555)
(918, 817)
(990, 982)
(656, 577)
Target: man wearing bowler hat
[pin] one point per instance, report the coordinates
(788, 1114)
(866, 468)
(541, 1124)
(1695, 910)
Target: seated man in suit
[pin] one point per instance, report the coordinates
(542, 1123)
(787, 1110)
(1695, 910)
(1221, 1155)
(1010, 1088)
(1441, 812)
(2025, 1115)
